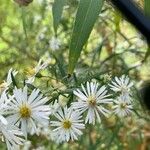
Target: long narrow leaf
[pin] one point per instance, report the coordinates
(57, 10)
(86, 17)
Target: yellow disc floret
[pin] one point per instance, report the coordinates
(123, 105)
(91, 100)
(25, 111)
(67, 124)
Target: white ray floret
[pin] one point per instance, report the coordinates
(4, 100)
(12, 136)
(92, 99)
(68, 126)
(28, 110)
(42, 65)
(122, 84)
(122, 108)
(54, 107)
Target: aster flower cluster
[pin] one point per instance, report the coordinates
(123, 101)
(20, 112)
(25, 111)
(93, 104)
(10, 133)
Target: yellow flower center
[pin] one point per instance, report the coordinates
(67, 124)
(92, 100)
(123, 105)
(25, 111)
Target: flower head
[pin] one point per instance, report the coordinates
(33, 72)
(122, 108)
(121, 84)
(12, 136)
(54, 43)
(41, 65)
(68, 126)
(92, 99)
(27, 111)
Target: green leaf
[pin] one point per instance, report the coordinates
(23, 16)
(13, 80)
(57, 10)
(147, 7)
(86, 17)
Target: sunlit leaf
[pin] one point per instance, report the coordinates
(86, 17)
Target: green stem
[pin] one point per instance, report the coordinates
(24, 23)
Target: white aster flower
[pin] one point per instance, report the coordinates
(12, 136)
(122, 108)
(54, 43)
(121, 84)
(40, 66)
(28, 110)
(92, 100)
(69, 125)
